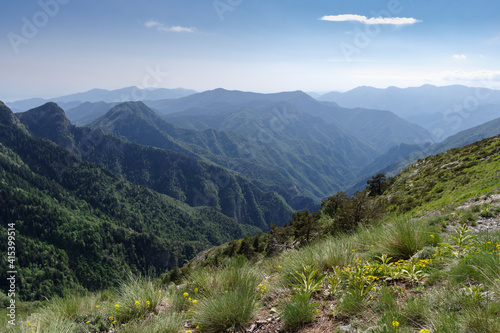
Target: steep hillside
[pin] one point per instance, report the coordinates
(318, 157)
(182, 177)
(448, 179)
(268, 150)
(135, 122)
(420, 266)
(77, 225)
(399, 157)
(477, 133)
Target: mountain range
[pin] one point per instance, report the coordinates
(182, 177)
(144, 186)
(443, 111)
(102, 95)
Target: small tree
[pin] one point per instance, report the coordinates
(305, 224)
(377, 185)
(334, 204)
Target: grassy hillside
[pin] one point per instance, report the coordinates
(418, 267)
(447, 179)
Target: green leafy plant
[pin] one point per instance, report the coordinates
(334, 281)
(462, 241)
(359, 279)
(412, 272)
(308, 281)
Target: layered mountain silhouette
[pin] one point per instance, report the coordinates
(187, 179)
(298, 154)
(102, 95)
(80, 225)
(443, 111)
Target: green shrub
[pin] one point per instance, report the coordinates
(230, 311)
(137, 297)
(403, 238)
(299, 311)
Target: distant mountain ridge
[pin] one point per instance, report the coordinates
(399, 157)
(182, 177)
(381, 129)
(444, 111)
(103, 95)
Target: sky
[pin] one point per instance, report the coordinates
(50, 48)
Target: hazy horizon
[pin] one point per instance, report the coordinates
(57, 47)
(48, 97)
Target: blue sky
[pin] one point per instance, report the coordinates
(50, 48)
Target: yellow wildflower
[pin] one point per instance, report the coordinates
(137, 303)
(195, 290)
(110, 318)
(117, 306)
(395, 323)
(195, 301)
(87, 322)
(28, 323)
(185, 294)
(148, 303)
(424, 330)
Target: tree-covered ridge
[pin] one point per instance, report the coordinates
(137, 123)
(185, 178)
(80, 226)
(275, 145)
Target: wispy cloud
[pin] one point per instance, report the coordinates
(371, 20)
(486, 75)
(459, 56)
(161, 27)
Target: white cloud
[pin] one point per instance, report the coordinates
(481, 75)
(371, 20)
(460, 56)
(160, 27)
